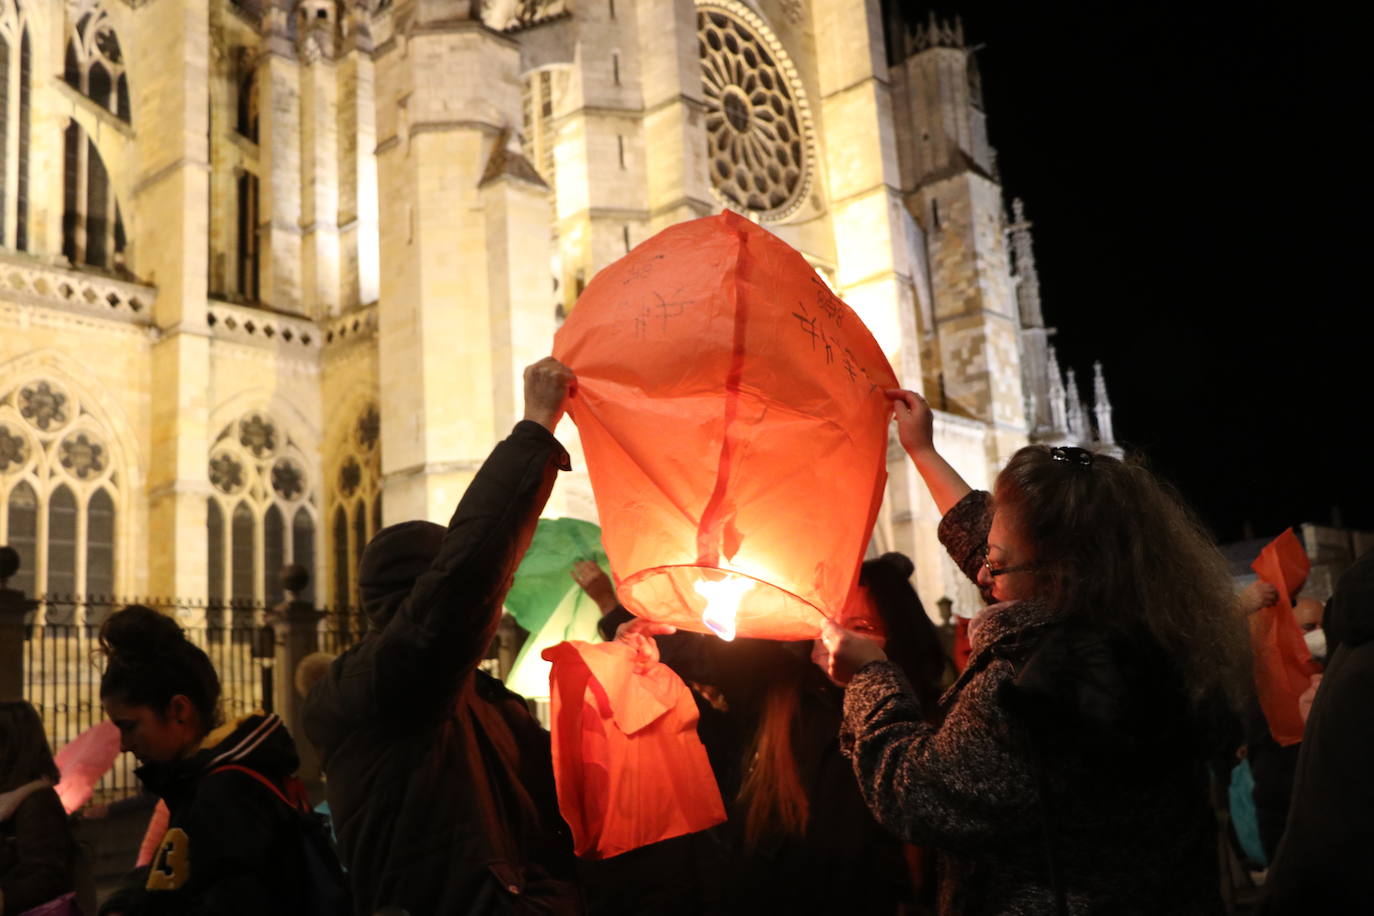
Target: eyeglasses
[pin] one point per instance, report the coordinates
(995, 571)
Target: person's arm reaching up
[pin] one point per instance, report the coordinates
(916, 430)
(444, 626)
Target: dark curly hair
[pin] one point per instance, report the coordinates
(150, 660)
(1113, 542)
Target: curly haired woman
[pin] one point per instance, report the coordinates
(1069, 771)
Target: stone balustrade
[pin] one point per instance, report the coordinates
(358, 324)
(246, 324)
(28, 280)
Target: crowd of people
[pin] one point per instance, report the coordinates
(1070, 766)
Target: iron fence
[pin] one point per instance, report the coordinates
(340, 628)
(63, 665)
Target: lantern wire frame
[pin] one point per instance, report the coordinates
(669, 594)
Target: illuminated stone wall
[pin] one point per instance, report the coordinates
(334, 211)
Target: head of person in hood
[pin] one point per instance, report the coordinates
(159, 689)
(392, 562)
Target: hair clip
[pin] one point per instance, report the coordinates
(1072, 454)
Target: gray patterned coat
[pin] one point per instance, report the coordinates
(1067, 764)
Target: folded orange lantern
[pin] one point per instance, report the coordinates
(1283, 669)
(629, 767)
(731, 411)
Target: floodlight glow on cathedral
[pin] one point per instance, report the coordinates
(270, 269)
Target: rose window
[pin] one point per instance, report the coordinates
(757, 127)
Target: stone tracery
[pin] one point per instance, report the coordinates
(94, 64)
(757, 122)
(56, 464)
(356, 498)
(262, 516)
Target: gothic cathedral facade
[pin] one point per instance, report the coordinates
(270, 269)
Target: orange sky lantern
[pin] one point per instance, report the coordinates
(1283, 666)
(731, 411)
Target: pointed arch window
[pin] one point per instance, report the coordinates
(303, 545)
(259, 478)
(100, 536)
(59, 497)
(342, 596)
(23, 534)
(62, 542)
(214, 522)
(354, 471)
(15, 89)
(247, 120)
(92, 226)
(249, 261)
(273, 552)
(94, 63)
(242, 537)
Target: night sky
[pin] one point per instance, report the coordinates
(1191, 172)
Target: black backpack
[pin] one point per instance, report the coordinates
(325, 888)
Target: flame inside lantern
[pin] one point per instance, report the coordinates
(722, 603)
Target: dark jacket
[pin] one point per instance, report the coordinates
(1323, 862)
(1069, 772)
(440, 782)
(845, 861)
(232, 845)
(36, 850)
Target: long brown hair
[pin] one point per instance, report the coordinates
(775, 801)
(1111, 541)
(24, 752)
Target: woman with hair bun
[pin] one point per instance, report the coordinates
(233, 842)
(1068, 773)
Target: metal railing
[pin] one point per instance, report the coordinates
(62, 663)
(57, 646)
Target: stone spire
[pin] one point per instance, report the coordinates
(1027, 279)
(1102, 407)
(1078, 418)
(936, 33)
(1059, 408)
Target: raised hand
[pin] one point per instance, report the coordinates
(592, 580)
(915, 422)
(548, 385)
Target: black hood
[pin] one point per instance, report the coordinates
(1349, 616)
(258, 742)
(392, 561)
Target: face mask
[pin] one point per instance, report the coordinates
(1316, 642)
